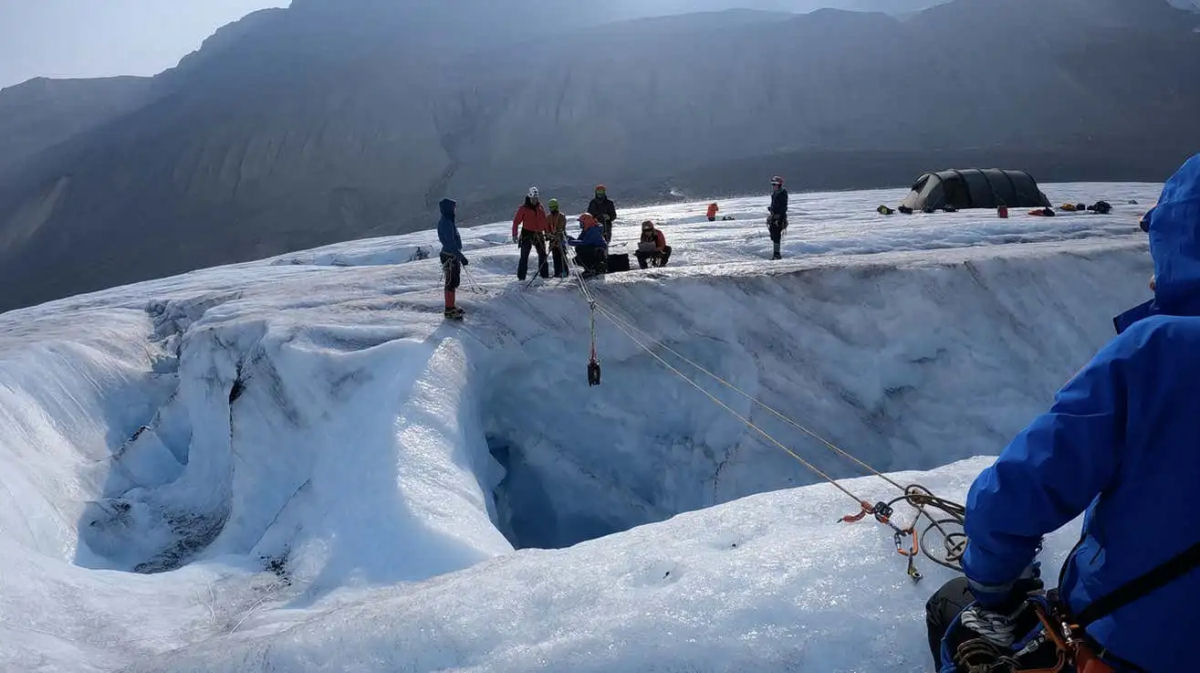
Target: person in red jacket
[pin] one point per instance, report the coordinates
(652, 248)
(531, 218)
(713, 208)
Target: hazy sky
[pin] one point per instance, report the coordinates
(95, 38)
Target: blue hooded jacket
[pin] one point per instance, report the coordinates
(591, 237)
(1122, 441)
(448, 230)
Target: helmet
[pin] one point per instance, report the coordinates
(553, 204)
(601, 188)
(587, 220)
(776, 181)
(647, 225)
(533, 192)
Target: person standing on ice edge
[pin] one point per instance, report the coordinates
(1122, 441)
(557, 224)
(531, 218)
(604, 210)
(777, 220)
(452, 256)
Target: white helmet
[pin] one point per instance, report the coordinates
(533, 192)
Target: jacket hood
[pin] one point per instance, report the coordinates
(447, 206)
(1174, 227)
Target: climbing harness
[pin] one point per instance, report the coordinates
(1068, 630)
(944, 517)
(1072, 645)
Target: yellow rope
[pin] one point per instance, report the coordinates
(750, 424)
(778, 414)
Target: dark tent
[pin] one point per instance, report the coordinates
(975, 188)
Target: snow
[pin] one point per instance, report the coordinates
(297, 465)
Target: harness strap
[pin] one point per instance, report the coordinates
(1155, 579)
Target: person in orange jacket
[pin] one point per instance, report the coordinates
(713, 208)
(531, 218)
(652, 248)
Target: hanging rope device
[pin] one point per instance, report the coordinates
(935, 517)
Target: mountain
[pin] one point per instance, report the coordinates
(41, 113)
(328, 121)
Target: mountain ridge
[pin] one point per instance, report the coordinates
(274, 139)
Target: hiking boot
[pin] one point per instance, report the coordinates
(454, 313)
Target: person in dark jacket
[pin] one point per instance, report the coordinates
(652, 247)
(557, 224)
(592, 248)
(604, 210)
(531, 218)
(777, 221)
(1122, 445)
(452, 256)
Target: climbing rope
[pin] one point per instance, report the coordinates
(593, 367)
(909, 542)
(916, 496)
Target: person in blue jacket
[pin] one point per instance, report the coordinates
(593, 249)
(452, 256)
(777, 221)
(1121, 442)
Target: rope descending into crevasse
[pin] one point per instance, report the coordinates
(943, 516)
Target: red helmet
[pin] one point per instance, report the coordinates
(776, 181)
(601, 188)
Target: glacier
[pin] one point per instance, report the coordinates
(297, 465)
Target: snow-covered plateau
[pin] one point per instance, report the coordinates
(296, 465)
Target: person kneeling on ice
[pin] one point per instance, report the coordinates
(452, 256)
(531, 217)
(713, 209)
(652, 248)
(557, 224)
(1121, 442)
(593, 250)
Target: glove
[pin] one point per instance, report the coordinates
(516, 240)
(463, 260)
(996, 628)
(1009, 597)
(996, 616)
